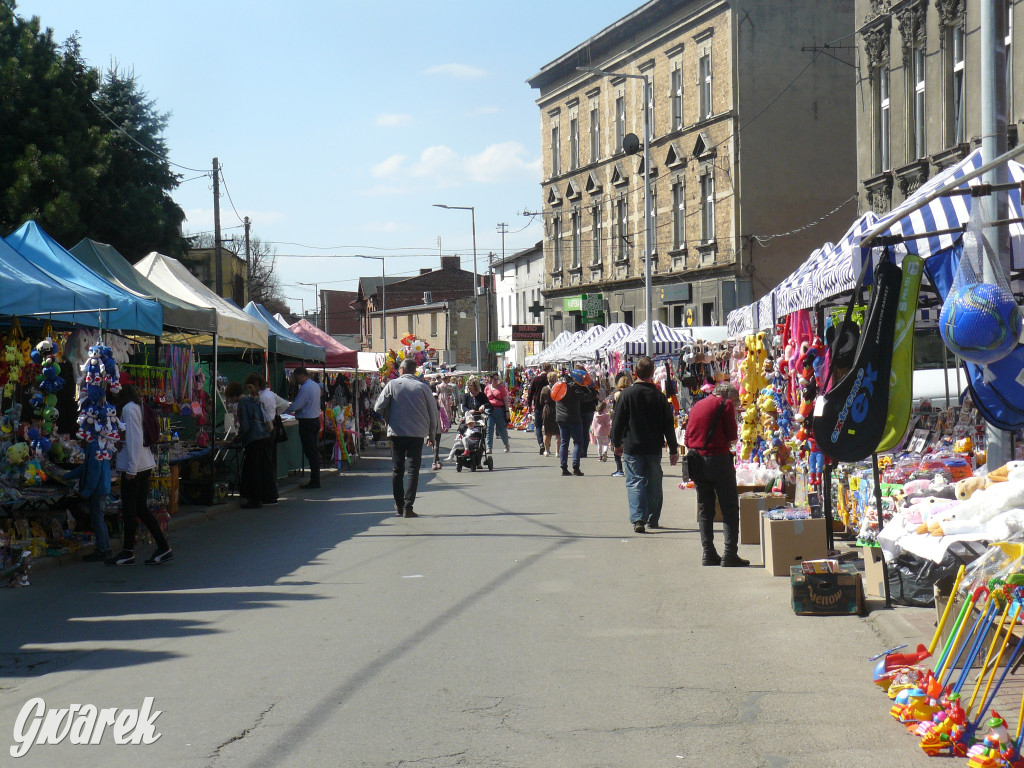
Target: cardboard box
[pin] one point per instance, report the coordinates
(874, 573)
(827, 594)
(785, 543)
(751, 507)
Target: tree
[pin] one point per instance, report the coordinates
(64, 163)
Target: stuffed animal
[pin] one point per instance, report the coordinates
(17, 453)
(970, 516)
(966, 487)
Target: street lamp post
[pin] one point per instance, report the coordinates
(316, 301)
(476, 297)
(302, 303)
(648, 234)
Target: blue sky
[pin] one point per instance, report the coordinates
(341, 123)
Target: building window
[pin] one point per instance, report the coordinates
(704, 82)
(574, 143)
(619, 232)
(882, 162)
(556, 148)
(433, 323)
(677, 98)
(575, 223)
(678, 214)
(595, 229)
(409, 324)
(707, 206)
(1008, 46)
(501, 311)
(394, 327)
(956, 85)
(556, 244)
(595, 133)
(917, 113)
(620, 122)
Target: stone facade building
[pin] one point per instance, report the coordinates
(448, 326)
(919, 90)
(752, 135)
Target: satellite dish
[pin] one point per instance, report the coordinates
(630, 144)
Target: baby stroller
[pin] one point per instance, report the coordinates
(470, 449)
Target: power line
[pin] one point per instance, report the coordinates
(224, 181)
(762, 239)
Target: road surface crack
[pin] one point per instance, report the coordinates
(239, 736)
(435, 757)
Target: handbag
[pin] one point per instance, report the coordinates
(280, 436)
(694, 461)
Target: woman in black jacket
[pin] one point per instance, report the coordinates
(570, 421)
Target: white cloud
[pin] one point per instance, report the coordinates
(461, 71)
(441, 164)
(388, 167)
(487, 110)
(391, 120)
(496, 163)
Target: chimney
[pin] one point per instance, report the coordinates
(425, 270)
(451, 262)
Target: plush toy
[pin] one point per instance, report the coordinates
(966, 488)
(17, 453)
(970, 516)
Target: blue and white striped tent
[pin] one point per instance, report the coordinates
(611, 335)
(569, 351)
(667, 341)
(953, 211)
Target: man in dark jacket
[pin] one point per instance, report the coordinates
(569, 419)
(710, 431)
(533, 400)
(641, 426)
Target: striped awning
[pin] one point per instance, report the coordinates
(570, 350)
(554, 346)
(667, 341)
(611, 335)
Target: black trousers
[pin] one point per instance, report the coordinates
(255, 471)
(406, 454)
(718, 478)
(135, 507)
(309, 429)
(269, 478)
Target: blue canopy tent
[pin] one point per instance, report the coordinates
(27, 289)
(281, 340)
(133, 313)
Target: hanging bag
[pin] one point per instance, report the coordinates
(850, 419)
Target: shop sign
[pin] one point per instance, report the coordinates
(527, 333)
(676, 294)
(572, 303)
(592, 307)
(498, 346)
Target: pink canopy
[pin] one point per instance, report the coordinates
(338, 355)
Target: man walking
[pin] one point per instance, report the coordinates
(641, 426)
(409, 407)
(306, 407)
(710, 432)
(568, 404)
(533, 400)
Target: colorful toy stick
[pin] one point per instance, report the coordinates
(954, 641)
(971, 643)
(986, 666)
(945, 613)
(986, 697)
(965, 669)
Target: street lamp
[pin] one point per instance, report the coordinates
(648, 234)
(476, 298)
(316, 300)
(383, 303)
(302, 303)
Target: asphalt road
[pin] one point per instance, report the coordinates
(518, 622)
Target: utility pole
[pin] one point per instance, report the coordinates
(248, 263)
(218, 276)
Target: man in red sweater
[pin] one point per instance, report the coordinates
(710, 432)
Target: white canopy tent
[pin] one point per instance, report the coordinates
(667, 341)
(560, 341)
(613, 333)
(234, 327)
(571, 350)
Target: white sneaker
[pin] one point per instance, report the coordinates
(507, 449)
(547, 453)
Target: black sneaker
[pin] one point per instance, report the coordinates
(409, 513)
(541, 450)
(639, 528)
(734, 561)
(566, 472)
(161, 556)
(398, 510)
(124, 557)
(711, 558)
(97, 556)
(577, 471)
(653, 524)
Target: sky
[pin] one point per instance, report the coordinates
(339, 124)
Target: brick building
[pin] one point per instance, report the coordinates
(341, 319)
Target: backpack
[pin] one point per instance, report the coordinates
(150, 426)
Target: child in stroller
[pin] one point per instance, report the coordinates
(470, 449)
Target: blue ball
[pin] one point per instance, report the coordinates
(981, 323)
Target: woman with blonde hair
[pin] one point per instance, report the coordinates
(622, 382)
(548, 416)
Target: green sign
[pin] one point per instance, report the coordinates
(572, 303)
(498, 346)
(592, 307)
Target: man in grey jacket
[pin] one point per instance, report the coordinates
(409, 407)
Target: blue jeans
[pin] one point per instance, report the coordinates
(96, 506)
(497, 421)
(643, 486)
(538, 426)
(566, 431)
